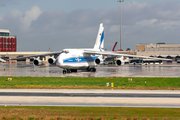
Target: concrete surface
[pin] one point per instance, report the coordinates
(91, 101)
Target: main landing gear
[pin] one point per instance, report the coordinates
(91, 69)
(74, 70)
(69, 71)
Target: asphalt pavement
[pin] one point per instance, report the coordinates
(105, 98)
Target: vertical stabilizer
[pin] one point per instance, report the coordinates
(99, 44)
(114, 46)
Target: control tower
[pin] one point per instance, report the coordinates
(7, 43)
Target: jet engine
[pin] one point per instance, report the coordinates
(118, 62)
(97, 61)
(37, 62)
(51, 60)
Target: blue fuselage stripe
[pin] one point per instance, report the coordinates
(102, 38)
(80, 59)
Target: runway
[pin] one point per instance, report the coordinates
(26, 69)
(90, 94)
(104, 98)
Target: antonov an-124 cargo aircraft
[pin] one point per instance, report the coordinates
(72, 60)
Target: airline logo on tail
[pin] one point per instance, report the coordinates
(99, 44)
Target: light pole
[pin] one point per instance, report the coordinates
(120, 24)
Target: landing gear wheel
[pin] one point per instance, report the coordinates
(88, 69)
(93, 69)
(73, 70)
(68, 71)
(64, 71)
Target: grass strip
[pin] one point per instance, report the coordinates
(88, 113)
(91, 83)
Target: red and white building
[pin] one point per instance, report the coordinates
(7, 43)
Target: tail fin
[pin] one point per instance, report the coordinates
(114, 46)
(99, 44)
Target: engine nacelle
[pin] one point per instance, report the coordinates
(37, 62)
(51, 60)
(118, 62)
(97, 61)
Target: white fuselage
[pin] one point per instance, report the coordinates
(76, 59)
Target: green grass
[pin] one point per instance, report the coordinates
(88, 113)
(89, 83)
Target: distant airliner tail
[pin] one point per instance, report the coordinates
(99, 44)
(114, 46)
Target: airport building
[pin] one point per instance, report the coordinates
(160, 50)
(7, 43)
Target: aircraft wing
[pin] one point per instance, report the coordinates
(106, 53)
(40, 55)
(2, 60)
(121, 52)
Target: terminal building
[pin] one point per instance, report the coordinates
(7, 43)
(8, 47)
(161, 50)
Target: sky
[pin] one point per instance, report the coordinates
(59, 24)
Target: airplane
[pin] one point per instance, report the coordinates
(71, 60)
(2, 60)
